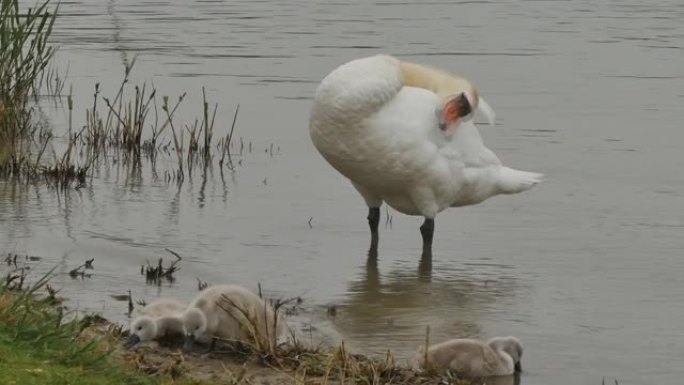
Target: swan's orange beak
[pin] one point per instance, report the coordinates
(455, 109)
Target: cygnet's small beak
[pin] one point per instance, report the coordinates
(189, 342)
(518, 367)
(131, 341)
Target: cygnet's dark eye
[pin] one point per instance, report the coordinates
(139, 327)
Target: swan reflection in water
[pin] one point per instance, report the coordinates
(392, 311)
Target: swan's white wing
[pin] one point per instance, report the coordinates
(409, 123)
(472, 151)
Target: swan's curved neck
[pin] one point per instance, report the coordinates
(440, 82)
(506, 359)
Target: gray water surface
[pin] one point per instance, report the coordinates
(586, 268)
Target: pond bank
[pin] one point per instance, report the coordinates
(41, 344)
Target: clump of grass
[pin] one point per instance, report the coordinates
(14, 280)
(40, 344)
(63, 170)
(227, 143)
(24, 55)
(156, 274)
(11, 259)
(28, 322)
(126, 116)
(24, 58)
(124, 121)
(80, 270)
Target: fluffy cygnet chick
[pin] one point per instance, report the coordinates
(222, 311)
(499, 356)
(159, 318)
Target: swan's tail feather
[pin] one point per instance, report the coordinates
(514, 181)
(487, 111)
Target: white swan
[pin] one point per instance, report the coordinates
(159, 318)
(230, 312)
(500, 356)
(403, 134)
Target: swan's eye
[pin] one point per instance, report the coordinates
(139, 327)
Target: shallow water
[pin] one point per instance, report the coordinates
(585, 268)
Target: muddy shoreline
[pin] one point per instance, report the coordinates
(287, 364)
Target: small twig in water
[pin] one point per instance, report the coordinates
(174, 254)
(76, 272)
(120, 297)
(130, 303)
(201, 285)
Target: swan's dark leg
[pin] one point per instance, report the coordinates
(425, 267)
(373, 223)
(427, 230)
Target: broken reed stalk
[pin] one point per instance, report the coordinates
(261, 344)
(252, 323)
(193, 144)
(343, 358)
(42, 150)
(227, 141)
(130, 303)
(142, 107)
(70, 105)
(156, 132)
(128, 67)
(179, 152)
(270, 340)
(208, 126)
(427, 345)
(94, 126)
